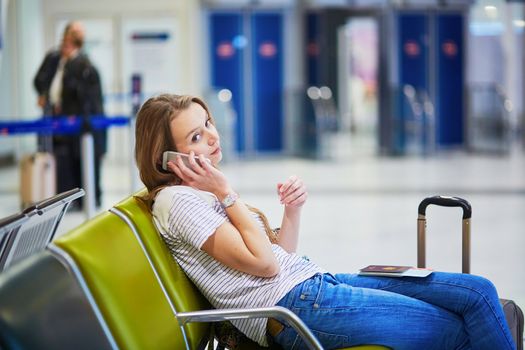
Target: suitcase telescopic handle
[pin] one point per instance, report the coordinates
(444, 201)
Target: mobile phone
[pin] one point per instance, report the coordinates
(172, 156)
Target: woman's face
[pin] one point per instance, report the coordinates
(192, 130)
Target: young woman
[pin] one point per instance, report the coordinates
(228, 250)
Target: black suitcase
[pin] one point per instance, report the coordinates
(513, 313)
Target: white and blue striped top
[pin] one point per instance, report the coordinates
(186, 218)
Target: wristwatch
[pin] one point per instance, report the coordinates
(229, 200)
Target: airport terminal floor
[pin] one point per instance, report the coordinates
(362, 208)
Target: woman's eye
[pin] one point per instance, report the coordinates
(196, 138)
(208, 122)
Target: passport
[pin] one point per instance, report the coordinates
(394, 271)
(385, 268)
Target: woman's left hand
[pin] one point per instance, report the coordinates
(292, 193)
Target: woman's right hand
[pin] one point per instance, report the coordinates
(203, 176)
(237, 243)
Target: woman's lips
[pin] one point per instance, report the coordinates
(216, 151)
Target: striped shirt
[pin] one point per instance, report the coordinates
(186, 218)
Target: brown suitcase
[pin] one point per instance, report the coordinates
(513, 313)
(37, 178)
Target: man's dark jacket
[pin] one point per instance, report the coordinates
(81, 92)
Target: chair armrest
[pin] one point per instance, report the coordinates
(265, 312)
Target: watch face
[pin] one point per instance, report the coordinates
(229, 199)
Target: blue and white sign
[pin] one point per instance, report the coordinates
(150, 49)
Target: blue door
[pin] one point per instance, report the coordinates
(413, 56)
(267, 54)
(450, 79)
(246, 58)
(226, 40)
(436, 73)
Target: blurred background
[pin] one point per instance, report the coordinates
(376, 104)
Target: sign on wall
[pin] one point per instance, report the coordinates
(149, 49)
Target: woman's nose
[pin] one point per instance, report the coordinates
(212, 138)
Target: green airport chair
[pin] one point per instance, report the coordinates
(109, 263)
(188, 303)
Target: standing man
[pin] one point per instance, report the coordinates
(68, 84)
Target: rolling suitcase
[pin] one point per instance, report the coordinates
(37, 178)
(513, 313)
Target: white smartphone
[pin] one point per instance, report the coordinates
(172, 156)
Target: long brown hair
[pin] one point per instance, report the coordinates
(153, 137)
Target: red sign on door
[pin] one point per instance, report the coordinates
(449, 48)
(411, 48)
(225, 49)
(267, 49)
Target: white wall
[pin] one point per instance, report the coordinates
(17, 99)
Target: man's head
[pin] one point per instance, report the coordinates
(73, 38)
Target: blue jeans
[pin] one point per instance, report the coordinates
(441, 311)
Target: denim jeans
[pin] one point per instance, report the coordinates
(441, 311)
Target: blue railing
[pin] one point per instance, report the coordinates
(60, 124)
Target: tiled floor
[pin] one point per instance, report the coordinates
(362, 209)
